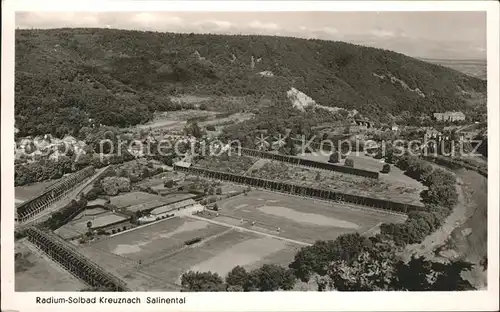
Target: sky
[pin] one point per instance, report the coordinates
(442, 35)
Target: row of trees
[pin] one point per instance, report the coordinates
(45, 169)
(269, 277)
(439, 199)
(63, 216)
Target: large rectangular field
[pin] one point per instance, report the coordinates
(222, 253)
(157, 253)
(158, 239)
(297, 218)
(397, 189)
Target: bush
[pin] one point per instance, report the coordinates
(349, 163)
(210, 128)
(169, 183)
(386, 168)
(114, 185)
(192, 241)
(334, 158)
(113, 231)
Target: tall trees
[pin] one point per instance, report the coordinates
(202, 281)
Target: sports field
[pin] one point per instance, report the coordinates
(157, 240)
(163, 255)
(299, 218)
(222, 253)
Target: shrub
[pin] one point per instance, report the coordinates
(193, 241)
(334, 158)
(114, 185)
(113, 231)
(386, 168)
(349, 163)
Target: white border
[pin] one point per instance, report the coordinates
(283, 301)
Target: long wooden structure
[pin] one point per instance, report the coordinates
(73, 261)
(310, 163)
(304, 191)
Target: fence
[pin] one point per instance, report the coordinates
(310, 163)
(77, 264)
(293, 189)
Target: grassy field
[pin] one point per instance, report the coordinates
(233, 164)
(383, 188)
(126, 270)
(156, 240)
(223, 253)
(300, 219)
(361, 161)
(36, 272)
(160, 247)
(27, 192)
(133, 198)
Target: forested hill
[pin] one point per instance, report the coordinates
(117, 77)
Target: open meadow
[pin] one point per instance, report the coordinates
(383, 188)
(30, 191)
(159, 252)
(33, 266)
(222, 253)
(147, 243)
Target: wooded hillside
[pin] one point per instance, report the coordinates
(119, 78)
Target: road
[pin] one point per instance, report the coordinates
(441, 235)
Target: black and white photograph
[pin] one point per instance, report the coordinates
(175, 152)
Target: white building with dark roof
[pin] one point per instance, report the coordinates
(449, 116)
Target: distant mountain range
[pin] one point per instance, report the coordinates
(475, 68)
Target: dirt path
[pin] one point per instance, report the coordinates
(464, 233)
(441, 235)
